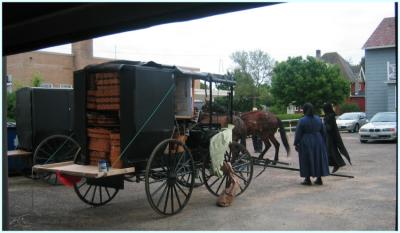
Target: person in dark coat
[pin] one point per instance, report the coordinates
(309, 142)
(334, 142)
(257, 143)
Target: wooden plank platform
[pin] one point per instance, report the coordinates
(18, 153)
(89, 171)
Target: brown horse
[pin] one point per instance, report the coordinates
(239, 133)
(265, 125)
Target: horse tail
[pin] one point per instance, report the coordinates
(283, 136)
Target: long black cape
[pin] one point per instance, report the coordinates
(334, 142)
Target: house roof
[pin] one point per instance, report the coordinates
(383, 36)
(344, 66)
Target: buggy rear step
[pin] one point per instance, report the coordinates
(89, 171)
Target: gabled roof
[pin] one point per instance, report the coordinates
(383, 36)
(344, 66)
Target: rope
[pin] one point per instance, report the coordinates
(146, 122)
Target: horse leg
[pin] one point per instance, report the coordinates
(243, 140)
(267, 146)
(276, 145)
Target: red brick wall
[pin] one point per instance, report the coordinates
(52, 67)
(55, 68)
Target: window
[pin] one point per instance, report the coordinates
(46, 85)
(65, 86)
(391, 72)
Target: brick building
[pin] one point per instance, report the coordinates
(56, 69)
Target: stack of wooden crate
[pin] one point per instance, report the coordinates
(115, 160)
(103, 93)
(104, 119)
(99, 144)
(103, 104)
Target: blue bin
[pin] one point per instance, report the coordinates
(15, 164)
(11, 136)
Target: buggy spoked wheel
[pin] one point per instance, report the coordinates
(242, 165)
(94, 195)
(169, 177)
(198, 178)
(54, 149)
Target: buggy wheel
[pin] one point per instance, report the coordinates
(94, 195)
(242, 165)
(169, 167)
(54, 149)
(198, 178)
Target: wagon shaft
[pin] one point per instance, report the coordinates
(269, 163)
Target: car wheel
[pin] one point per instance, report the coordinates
(363, 141)
(356, 128)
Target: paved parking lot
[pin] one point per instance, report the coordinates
(274, 201)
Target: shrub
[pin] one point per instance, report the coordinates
(289, 116)
(277, 109)
(349, 107)
(11, 96)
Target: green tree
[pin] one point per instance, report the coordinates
(256, 65)
(297, 81)
(243, 100)
(203, 85)
(243, 90)
(265, 97)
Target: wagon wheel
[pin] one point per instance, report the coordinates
(198, 178)
(169, 165)
(242, 165)
(54, 149)
(94, 195)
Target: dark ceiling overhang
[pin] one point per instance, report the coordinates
(32, 26)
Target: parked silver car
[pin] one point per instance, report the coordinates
(382, 127)
(351, 121)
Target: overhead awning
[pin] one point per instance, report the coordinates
(32, 26)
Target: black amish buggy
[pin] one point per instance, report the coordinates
(140, 118)
(43, 116)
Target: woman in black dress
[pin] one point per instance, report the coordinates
(334, 141)
(309, 141)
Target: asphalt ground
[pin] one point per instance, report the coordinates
(274, 201)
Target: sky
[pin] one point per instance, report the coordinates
(283, 30)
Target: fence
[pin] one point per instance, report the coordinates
(290, 124)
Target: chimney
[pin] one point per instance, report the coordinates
(318, 54)
(83, 53)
